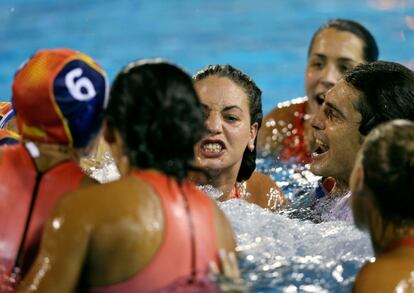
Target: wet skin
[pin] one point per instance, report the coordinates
(100, 248)
(333, 53)
(227, 116)
(391, 271)
(230, 132)
(337, 138)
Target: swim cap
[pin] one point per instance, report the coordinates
(59, 96)
(5, 107)
(8, 137)
(6, 113)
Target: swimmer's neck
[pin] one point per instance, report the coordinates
(49, 155)
(390, 237)
(224, 182)
(340, 188)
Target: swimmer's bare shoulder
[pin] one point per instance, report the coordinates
(96, 227)
(265, 192)
(88, 181)
(271, 134)
(364, 279)
(385, 274)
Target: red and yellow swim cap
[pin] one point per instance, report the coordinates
(5, 107)
(8, 137)
(59, 96)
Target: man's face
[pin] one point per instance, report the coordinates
(336, 133)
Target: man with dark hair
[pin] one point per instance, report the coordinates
(335, 48)
(369, 94)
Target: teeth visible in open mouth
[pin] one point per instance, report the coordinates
(322, 147)
(212, 147)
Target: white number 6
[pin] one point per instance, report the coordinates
(75, 87)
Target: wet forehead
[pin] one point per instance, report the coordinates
(344, 98)
(221, 92)
(338, 44)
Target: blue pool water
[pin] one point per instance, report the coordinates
(279, 252)
(266, 38)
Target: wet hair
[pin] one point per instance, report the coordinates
(370, 48)
(387, 92)
(388, 163)
(155, 108)
(254, 94)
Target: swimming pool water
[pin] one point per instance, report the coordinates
(287, 251)
(266, 38)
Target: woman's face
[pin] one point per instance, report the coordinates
(227, 120)
(332, 54)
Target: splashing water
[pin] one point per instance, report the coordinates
(282, 254)
(107, 171)
(211, 191)
(293, 251)
(285, 252)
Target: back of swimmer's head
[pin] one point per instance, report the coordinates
(370, 47)
(388, 164)
(155, 109)
(59, 96)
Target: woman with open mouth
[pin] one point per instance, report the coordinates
(227, 153)
(336, 47)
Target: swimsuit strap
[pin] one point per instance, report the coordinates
(236, 191)
(401, 242)
(406, 242)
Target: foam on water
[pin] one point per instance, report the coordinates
(285, 252)
(108, 172)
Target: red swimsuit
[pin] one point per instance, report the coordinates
(401, 242)
(181, 263)
(26, 200)
(294, 146)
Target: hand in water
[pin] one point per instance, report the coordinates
(229, 280)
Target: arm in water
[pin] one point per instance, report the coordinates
(264, 192)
